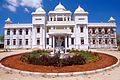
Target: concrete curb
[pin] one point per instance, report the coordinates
(27, 73)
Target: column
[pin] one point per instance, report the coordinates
(69, 41)
(50, 42)
(53, 44)
(63, 17)
(65, 43)
(56, 17)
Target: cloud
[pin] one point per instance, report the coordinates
(31, 3)
(13, 4)
(26, 10)
(11, 8)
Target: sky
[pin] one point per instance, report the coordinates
(19, 11)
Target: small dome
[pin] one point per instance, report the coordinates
(8, 21)
(111, 19)
(59, 7)
(79, 9)
(40, 9)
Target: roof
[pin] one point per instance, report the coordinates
(59, 7)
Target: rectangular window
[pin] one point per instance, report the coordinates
(38, 30)
(81, 19)
(26, 31)
(38, 19)
(106, 31)
(72, 41)
(106, 42)
(81, 29)
(20, 41)
(47, 41)
(82, 40)
(8, 31)
(38, 41)
(93, 31)
(93, 41)
(100, 41)
(14, 41)
(100, 30)
(60, 19)
(14, 31)
(72, 29)
(20, 31)
(112, 41)
(8, 41)
(26, 42)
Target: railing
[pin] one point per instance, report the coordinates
(102, 24)
(60, 22)
(54, 31)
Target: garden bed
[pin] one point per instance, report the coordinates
(14, 62)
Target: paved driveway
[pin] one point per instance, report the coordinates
(113, 74)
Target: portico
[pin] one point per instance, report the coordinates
(59, 41)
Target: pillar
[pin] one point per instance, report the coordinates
(53, 44)
(50, 42)
(65, 44)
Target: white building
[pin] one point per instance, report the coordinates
(60, 29)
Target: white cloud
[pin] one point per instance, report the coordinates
(13, 4)
(26, 10)
(31, 3)
(11, 8)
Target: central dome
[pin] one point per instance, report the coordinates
(59, 7)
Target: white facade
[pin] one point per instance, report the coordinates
(59, 28)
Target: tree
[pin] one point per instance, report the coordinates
(1, 38)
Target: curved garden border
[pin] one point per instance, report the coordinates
(10, 70)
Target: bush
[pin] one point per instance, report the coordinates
(42, 58)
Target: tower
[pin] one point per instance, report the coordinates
(38, 29)
(81, 21)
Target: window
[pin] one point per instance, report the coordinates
(93, 41)
(112, 41)
(100, 41)
(38, 30)
(8, 31)
(106, 42)
(112, 31)
(20, 31)
(14, 31)
(60, 19)
(50, 19)
(81, 29)
(100, 30)
(81, 19)
(93, 31)
(20, 41)
(14, 41)
(26, 31)
(106, 31)
(8, 41)
(72, 41)
(47, 41)
(82, 40)
(72, 29)
(38, 19)
(26, 42)
(38, 41)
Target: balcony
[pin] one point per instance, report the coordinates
(59, 32)
(60, 23)
(102, 25)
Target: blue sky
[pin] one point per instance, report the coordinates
(20, 10)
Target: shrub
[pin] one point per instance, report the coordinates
(42, 58)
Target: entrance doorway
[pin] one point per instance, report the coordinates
(59, 41)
